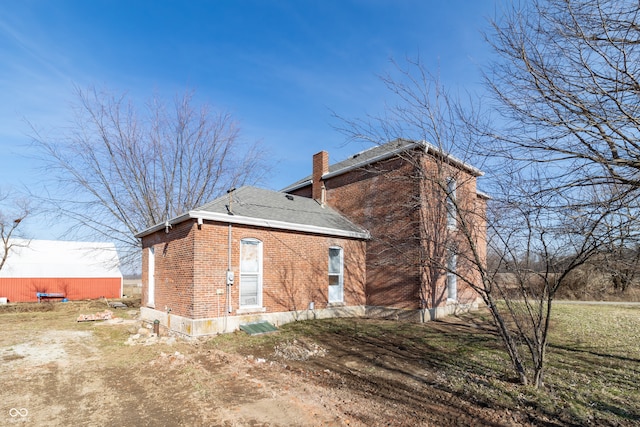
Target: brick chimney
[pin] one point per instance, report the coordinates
(320, 167)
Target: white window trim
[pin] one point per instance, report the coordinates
(340, 275)
(252, 307)
(151, 278)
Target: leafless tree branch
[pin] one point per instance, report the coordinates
(118, 169)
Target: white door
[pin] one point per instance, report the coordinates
(151, 289)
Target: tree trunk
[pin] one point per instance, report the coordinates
(510, 345)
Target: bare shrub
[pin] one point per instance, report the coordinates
(298, 350)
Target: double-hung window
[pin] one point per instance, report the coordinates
(452, 207)
(452, 276)
(336, 275)
(250, 273)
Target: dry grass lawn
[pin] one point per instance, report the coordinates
(356, 372)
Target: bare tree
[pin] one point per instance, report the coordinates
(566, 78)
(120, 169)
(536, 236)
(538, 240)
(619, 258)
(566, 82)
(425, 111)
(422, 110)
(13, 211)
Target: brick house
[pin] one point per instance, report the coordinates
(377, 234)
(252, 255)
(422, 209)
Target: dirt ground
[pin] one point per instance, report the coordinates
(59, 372)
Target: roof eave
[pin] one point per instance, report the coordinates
(258, 222)
(297, 186)
(375, 159)
(282, 225)
(483, 195)
(158, 227)
(459, 163)
(429, 148)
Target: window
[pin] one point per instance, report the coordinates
(452, 210)
(452, 277)
(250, 273)
(151, 288)
(336, 273)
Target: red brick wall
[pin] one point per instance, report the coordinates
(174, 268)
(380, 200)
(191, 268)
(406, 217)
(403, 211)
(303, 192)
(438, 237)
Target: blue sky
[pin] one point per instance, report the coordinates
(280, 67)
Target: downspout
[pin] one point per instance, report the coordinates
(229, 276)
(228, 308)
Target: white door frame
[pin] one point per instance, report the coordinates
(151, 288)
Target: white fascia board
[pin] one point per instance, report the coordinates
(296, 186)
(259, 222)
(422, 144)
(365, 162)
(282, 225)
(483, 195)
(454, 160)
(162, 226)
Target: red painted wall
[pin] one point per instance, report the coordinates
(24, 289)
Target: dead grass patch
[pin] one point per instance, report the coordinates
(356, 372)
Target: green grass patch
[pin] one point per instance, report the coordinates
(593, 360)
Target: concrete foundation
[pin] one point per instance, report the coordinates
(219, 325)
(420, 316)
(225, 324)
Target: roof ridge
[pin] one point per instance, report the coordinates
(381, 152)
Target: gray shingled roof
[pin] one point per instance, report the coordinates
(272, 209)
(273, 205)
(381, 152)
